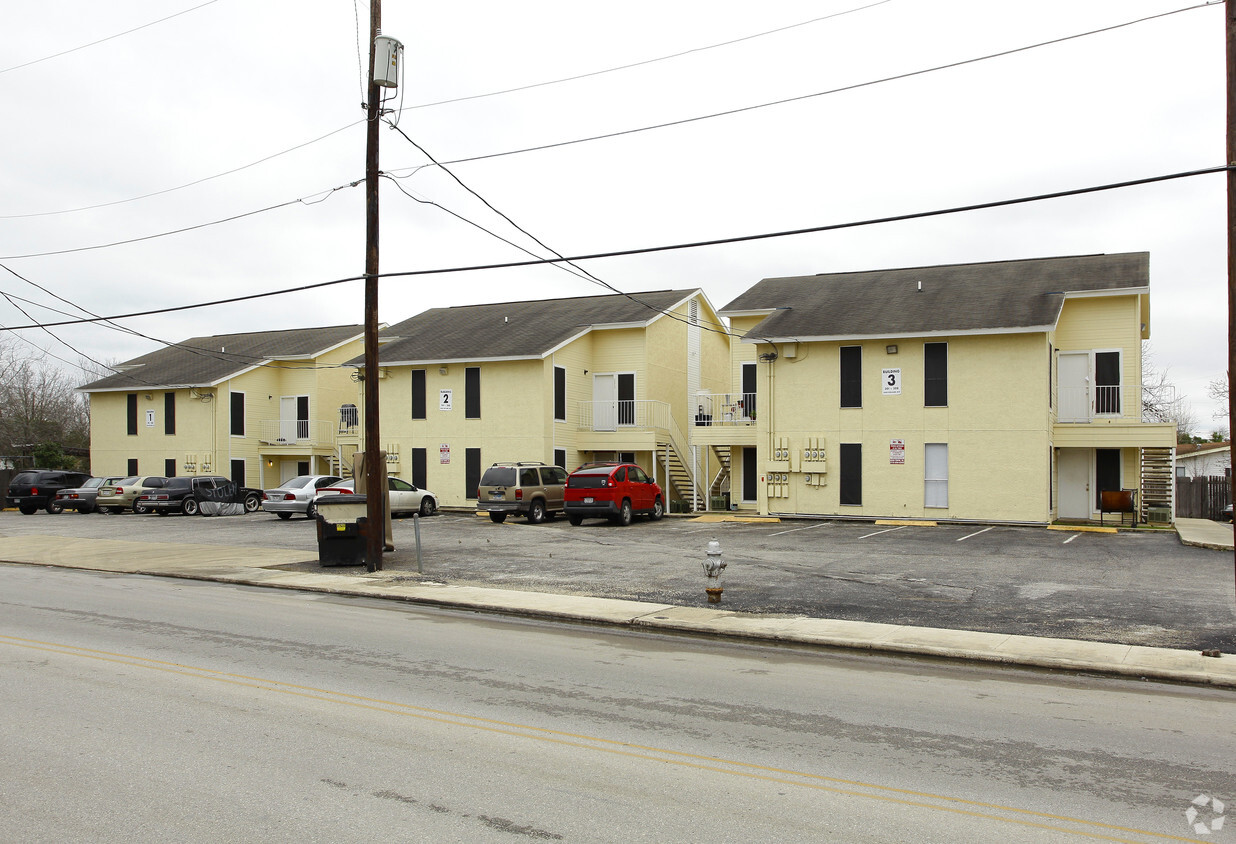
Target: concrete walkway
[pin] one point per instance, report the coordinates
(253, 566)
(1204, 533)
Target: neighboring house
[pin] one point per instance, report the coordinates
(1004, 391)
(1204, 460)
(258, 408)
(562, 381)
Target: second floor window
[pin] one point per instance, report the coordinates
(238, 415)
(560, 394)
(418, 394)
(131, 414)
(169, 414)
(935, 374)
(851, 376)
(472, 392)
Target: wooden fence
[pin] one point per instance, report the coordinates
(1202, 498)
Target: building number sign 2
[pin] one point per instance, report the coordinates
(446, 400)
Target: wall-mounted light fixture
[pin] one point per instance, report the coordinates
(441, 370)
(149, 397)
(270, 464)
(891, 348)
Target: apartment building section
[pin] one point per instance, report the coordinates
(563, 381)
(256, 407)
(1005, 391)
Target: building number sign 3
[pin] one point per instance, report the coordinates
(891, 382)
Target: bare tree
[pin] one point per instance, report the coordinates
(38, 403)
(1217, 391)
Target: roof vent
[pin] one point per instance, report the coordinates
(920, 287)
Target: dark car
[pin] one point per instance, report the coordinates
(36, 489)
(614, 492)
(83, 498)
(185, 494)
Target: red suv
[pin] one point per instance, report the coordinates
(615, 492)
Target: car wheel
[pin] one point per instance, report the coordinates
(284, 516)
(190, 507)
(497, 518)
(140, 509)
(89, 508)
(624, 513)
(658, 510)
(311, 512)
(575, 521)
(536, 512)
(428, 506)
(54, 508)
(252, 503)
(27, 511)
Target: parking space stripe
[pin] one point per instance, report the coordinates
(976, 533)
(1070, 539)
(792, 530)
(889, 530)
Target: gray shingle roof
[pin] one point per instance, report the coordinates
(203, 361)
(1002, 296)
(515, 329)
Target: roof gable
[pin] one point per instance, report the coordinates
(205, 361)
(517, 330)
(1003, 296)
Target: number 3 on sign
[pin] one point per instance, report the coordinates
(892, 382)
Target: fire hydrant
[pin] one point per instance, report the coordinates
(713, 567)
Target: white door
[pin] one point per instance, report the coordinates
(1073, 483)
(287, 418)
(605, 402)
(1073, 381)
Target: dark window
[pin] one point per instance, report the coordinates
(529, 477)
(750, 475)
(560, 457)
(418, 394)
(472, 395)
(169, 414)
(748, 391)
(302, 467)
(1107, 382)
(169, 466)
(935, 374)
(472, 471)
(131, 414)
(626, 398)
(851, 473)
(238, 471)
(238, 414)
(851, 376)
(420, 468)
(1106, 472)
(131, 466)
(302, 417)
(553, 475)
(559, 394)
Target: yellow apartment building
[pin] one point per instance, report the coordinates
(561, 381)
(1007, 391)
(258, 408)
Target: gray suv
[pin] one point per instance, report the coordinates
(533, 489)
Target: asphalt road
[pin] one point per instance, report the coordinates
(144, 709)
(1132, 587)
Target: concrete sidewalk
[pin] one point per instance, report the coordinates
(1203, 533)
(255, 566)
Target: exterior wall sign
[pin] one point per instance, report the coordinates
(150, 418)
(897, 452)
(446, 400)
(891, 381)
(444, 453)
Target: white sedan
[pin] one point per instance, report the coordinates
(405, 498)
(296, 495)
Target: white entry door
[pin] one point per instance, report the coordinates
(1073, 483)
(1073, 381)
(605, 402)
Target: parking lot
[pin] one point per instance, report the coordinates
(1135, 587)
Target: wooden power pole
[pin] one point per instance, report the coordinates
(376, 534)
(1229, 15)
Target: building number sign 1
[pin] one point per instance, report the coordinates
(150, 418)
(891, 382)
(446, 402)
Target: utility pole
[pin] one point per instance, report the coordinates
(375, 518)
(1229, 16)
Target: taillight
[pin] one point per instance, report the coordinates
(290, 496)
(34, 490)
(120, 490)
(519, 495)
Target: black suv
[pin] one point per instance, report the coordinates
(186, 494)
(36, 489)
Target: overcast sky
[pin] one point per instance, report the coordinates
(234, 82)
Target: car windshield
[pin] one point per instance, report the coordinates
(177, 483)
(93, 483)
(296, 483)
(499, 476)
(125, 482)
(588, 480)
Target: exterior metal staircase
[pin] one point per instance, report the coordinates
(1157, 485)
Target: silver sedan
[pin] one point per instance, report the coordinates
(404, 497)
(296, 496)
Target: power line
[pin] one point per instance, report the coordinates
(858, 85)
(108, 38)
(1001, 203)
(646, 61)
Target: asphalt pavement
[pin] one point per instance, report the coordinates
(1152, 604)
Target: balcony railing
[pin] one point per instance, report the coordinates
(725, 409)
(297, 432)
(612, 415)
(1130, 402)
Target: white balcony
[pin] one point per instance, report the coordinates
(301, 433)
(1124, 402)
(712, 409)
(613, 415)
